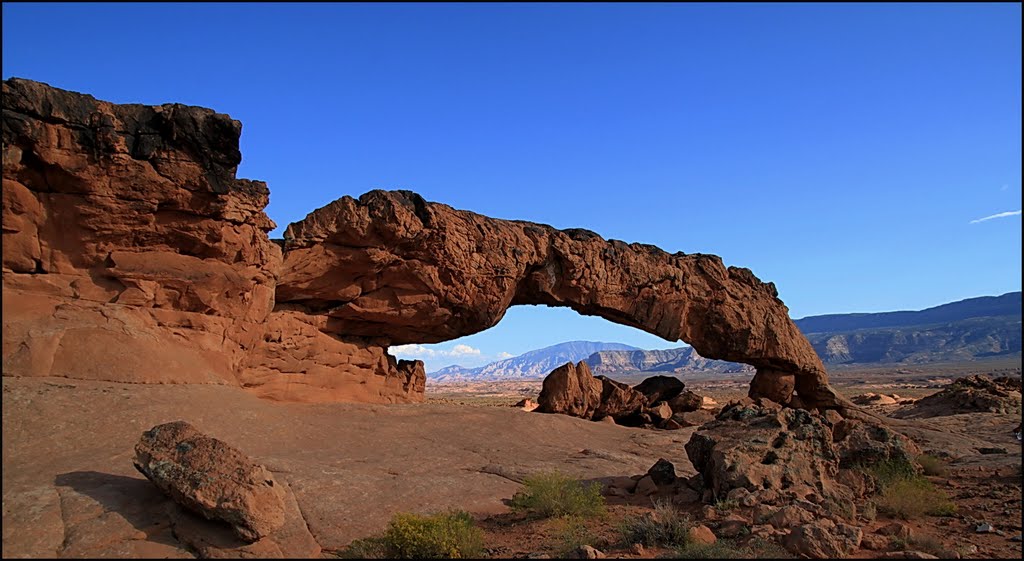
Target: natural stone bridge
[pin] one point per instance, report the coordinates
(132, 253)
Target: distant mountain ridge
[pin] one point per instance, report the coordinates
(529, 365)
(1008, 304)
(969, 329)
(680, 359)
(975, 328)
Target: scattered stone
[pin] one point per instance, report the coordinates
(1016, 538)
(663, 472)
(660, 388)
(823, 539)
(646, 486)
(685, 495)
(608, 420)
(686, 402)
(701, 534)
(586, 552)
(910, 554)
(660, 412)
(875, 542)
(211, 478)
(789, 517)
(538, 556)
(671, 424)
(731, 528)
(984, 528)
(896, 530)
(526, 404)
(638, 549)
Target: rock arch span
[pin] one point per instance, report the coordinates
(392, 266)
(132, 253)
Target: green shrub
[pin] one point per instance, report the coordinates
(571, 534)
(665, 527)
(554, 494)
(725, 505)
(450, 535)
(932, 465)
(913, 498)
(891, 471)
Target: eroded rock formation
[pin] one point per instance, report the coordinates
(393, 266)
(132, 253)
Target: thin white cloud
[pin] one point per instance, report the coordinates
(420, 351)
(994, 216)
(503, 355)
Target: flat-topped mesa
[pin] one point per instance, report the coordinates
(392, 266)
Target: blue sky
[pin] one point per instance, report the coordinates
(843, 151)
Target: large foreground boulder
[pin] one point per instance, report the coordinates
(767, 448)
(212, 478)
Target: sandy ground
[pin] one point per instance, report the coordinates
(70, 490)
(69, 487)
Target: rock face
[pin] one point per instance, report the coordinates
(131, 252)
(211, 478)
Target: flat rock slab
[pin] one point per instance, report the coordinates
(68, 451)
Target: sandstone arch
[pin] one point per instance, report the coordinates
(392, 266)
(132, 253)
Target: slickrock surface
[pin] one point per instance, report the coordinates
(70, 489)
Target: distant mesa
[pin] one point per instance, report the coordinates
(133, 253)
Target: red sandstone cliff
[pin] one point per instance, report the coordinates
(132, 253)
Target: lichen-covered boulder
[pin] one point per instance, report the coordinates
(211, 478)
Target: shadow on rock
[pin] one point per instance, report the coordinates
(135, 500)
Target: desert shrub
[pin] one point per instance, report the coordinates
(913, 498)
(725, 505)
(891, 471)
(571, 534)
(449, 535)
(554, 494)
(932, 465)
(665, 526)
(930, 545)
(756, 548)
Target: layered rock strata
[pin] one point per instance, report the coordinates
(133, 253)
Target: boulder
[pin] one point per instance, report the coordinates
(858, 443)
(571, 390)
(211, 478)
(659, 412)
(822, 539)
(701, 534)
(693, 418)
(618, 400)
(663, 472)
(660, 388)
(685, 402)
(757, 447)
(526, 404)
